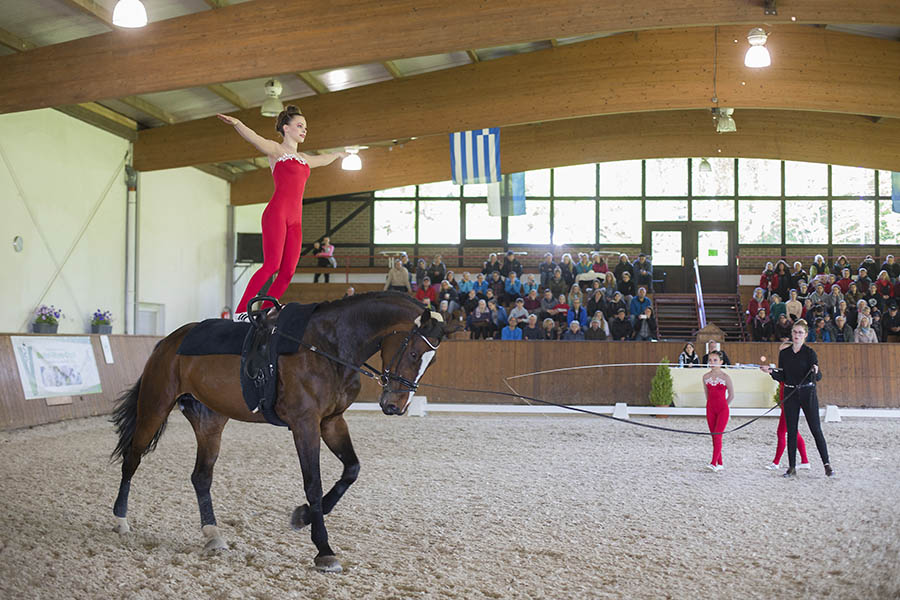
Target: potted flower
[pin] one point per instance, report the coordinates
(46, 319)
(101, 321)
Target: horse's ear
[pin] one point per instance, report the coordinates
(423, 319)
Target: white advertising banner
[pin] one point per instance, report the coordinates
(56, 366)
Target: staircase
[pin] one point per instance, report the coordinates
(725, 311)
(676, 315)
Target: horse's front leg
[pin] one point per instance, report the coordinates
(306, 439)
(337, 438)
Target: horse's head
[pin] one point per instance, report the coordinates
(405, 357)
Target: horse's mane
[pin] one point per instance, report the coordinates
(370, 297)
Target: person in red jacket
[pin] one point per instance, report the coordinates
(427, 292)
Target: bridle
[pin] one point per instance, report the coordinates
(387, 375)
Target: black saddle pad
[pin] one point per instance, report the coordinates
(215, 336)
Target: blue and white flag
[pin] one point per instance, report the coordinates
(475, 156)
(895, 190)
(506, 198)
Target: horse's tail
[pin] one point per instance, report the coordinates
(124, 416)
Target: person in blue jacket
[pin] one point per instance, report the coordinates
(511, 331)
(577, 313)
(513, 288)
(638, 304)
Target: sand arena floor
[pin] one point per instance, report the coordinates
(460, 507)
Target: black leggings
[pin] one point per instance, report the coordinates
(806, 399)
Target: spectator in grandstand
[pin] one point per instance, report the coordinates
(836, 296)
(782, 279)
(714, 346)
(532, 303)
(598, 316)
(776, 307)
(804, 291)
(577, 313)
(645, 328)
(324, 253)
(638, 305)
(567, 267)
(511, 265)
(688, 356)
(868, 263)
(623, 265)
(863, 281)
(596, 302)
(884, 289)
(767, 280)
(798, 275)
(842, 309)
(626, 286)
(818, 267)
(584, 264)
(876, 324)
(404, 258)
(466, 284)
(756, 302)
(783, 328)
(481, 285)
(609, 286)
(437, 270)
(840, 264)
(560, 310)
(549, 330)
(613, 306)
(793, 307)
(598, 263)
(529, 284)
(511, 331)
(573, 333)
(351, 291)
(852, 295)
(890, 323)
(595, 331)
(451, 279)
(518, 312)
(845, 280)
(819, 333)
(620, 328)
(892, 267)
(426, 292)
(498, 315)
(575, 292)
(531, 331)
(490, 265)
(421, 273)
(445, 312)
(818, 296)
(448, 292)
(557, 283)
(842, 331)
(864, 334)
(546, 269)
(512, 289)
(548, 302)
(470, 301)
(497, 285)
(479, 322)
(398, 278)
(643, 272)
(761, 329)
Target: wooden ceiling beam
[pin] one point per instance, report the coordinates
(228, 95)
(187, 51)
(812, 69)
(216, 3)
(218, 171)
(310, 80)
(103, 118)
(148, 108)
(773, 134)
(392, 69)
(94, 9)
(14, 42)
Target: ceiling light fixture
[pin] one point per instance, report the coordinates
(352, 162)
(272, 104)
(770, 8)
(723, 119)
(757, 55)
(704, 167)
(129, 13)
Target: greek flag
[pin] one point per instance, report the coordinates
(507, 197)
(895, 190)
(475, 156)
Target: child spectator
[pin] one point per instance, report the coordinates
(573, 333)
(518, 312)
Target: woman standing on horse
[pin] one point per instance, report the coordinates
(282, 231)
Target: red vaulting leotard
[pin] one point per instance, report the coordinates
(282, 231)
(716, 414)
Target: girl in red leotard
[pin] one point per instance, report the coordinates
(282, 232)
(719, 394)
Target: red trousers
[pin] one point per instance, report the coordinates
(717, 418)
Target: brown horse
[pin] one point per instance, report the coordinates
(313, 393)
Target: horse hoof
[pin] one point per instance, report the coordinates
(214, 541)
(328, 564)
(121, 527)
(300, 517)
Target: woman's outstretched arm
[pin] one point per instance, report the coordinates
(267, 147)
(320, 160)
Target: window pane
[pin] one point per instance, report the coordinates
(667, 210)
(577, 180)
(439, 222)
(759, 221)
(889, 224)
(620, 178)
(665, 248)
(713, 210)
(852, 221)
(573, 222)
(534, 226)
(620, 222)
(719, 181)
(537, 183)
(395, 222)
(440, 189)
(852, 181)
(480, 225)
(805, 179)
(806, 221)
(884, 183)
(475, 190)
(759, 177)
(667, 177)
(712, 248)
(408, 191)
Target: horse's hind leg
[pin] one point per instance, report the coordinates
(337, 437)
(208, 426)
